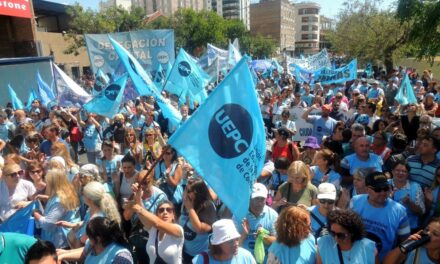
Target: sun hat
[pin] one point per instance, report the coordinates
(222, 231)
(311, 142)
(327, 191)
(259, 190)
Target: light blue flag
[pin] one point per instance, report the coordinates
(22, 221)
(224, 140)
(168, 69)
(42, 86)
(277, 66)
(16, 102)
(186, 77)
(107, 102)
(369, 70)
(43, 96)
(144, 85)
(406, 95)
(102, 76)
(32, 96)
(234, 55)
(159, 78)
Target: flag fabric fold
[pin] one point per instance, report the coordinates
(43, 86)
(32, 96)
(406, 95)
(22, 220)
(16, 102)
(108, 102)
(69, 93)
(224, 140)
(234, 55)
(143, 83)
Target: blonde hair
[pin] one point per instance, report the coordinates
(62, 151)
(96, 192)
(59, 185)
(298, 167)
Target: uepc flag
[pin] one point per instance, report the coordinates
(224, 140)
(143, 83)
(108, 102)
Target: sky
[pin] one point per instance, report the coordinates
(329, 8)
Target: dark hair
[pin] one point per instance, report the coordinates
(372, 106)
(333, 145)
(202, 196)
(434, 141)
(107, 143)
(346, 135)
(401, 162)
(399, 141)
(54, 128)
(128, 158)
(40, 250)
(283, 132)
(107, 230)
(174, 157)
(285, 112)
(282, 163)
(349, 220)
(377, 123)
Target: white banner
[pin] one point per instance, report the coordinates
(303, 129)
(313, 62)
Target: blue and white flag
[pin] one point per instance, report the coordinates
(224, 140)
(108, 102)
(43, 86)
(69, 93)
(234, 55)
(186, 77)
(22, 220)
(406, 95)
(325, 75)
(143, 83)
(32, 96)
(16, 102)
(221, 54)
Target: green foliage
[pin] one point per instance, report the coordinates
(192, 30)
(424, 35)
(366, 33)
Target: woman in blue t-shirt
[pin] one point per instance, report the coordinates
(325, 162)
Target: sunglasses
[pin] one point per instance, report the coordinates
(341, 236)
(163, 209)
(34, 171)
(326, 201)
(381, 189)
(355, 94)
(15, 174)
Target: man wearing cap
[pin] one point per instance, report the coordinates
(259, 216)
(326, 198)
(375, 94)
(224, 247)
(385, 220)
(322, 125)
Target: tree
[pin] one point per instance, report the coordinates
(368, 34)
(258, 46)
(424, 35)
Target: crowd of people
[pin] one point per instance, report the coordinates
(113, 191)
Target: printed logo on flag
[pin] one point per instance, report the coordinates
(112, 92)
(230, 131)
(184, 68)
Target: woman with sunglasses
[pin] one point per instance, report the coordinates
(35, 173)
(166, 238)
(407, 193)
(133, 146)
(326, 204)
(346, 242)
(15, 193)
(429, 253)
(153, 143)
(294, 238)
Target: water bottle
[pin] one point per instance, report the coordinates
(410, 245)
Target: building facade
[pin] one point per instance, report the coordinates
(168, 7)
(326, 25)
(126, 4)
(234, 9)
(307, 28)
(275, 19)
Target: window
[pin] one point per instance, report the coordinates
(300, 11)
(314, 36)
(305, 19)
(305, 36)
(305, 28)
(314, 27)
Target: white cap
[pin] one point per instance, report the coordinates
(259, 190)
(60, 160)
(327, 191)
(222, 231)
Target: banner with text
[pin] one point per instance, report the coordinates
(303, 129)
(150, 47)
(16, 8)
(314, 62)
(325, 75)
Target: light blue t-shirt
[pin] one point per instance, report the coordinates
(333, 177)
(92, 139)
(321, 126)
(317, 227)
(352, 163)
(4, 130)
(243, 257)
(304, 253)
(423, 257)
(110, 166)
(362, 252)
(265, 220)
(384, 225)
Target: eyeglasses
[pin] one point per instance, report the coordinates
(163, 209)
(326, 201)
(338, 235)
(15, 174)
(380, 189)
(34, 171)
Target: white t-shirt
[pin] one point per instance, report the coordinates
(21, 193)
(170, 247)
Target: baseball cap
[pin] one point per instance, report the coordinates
(259, 190)
(376, 180)
(327, 191)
